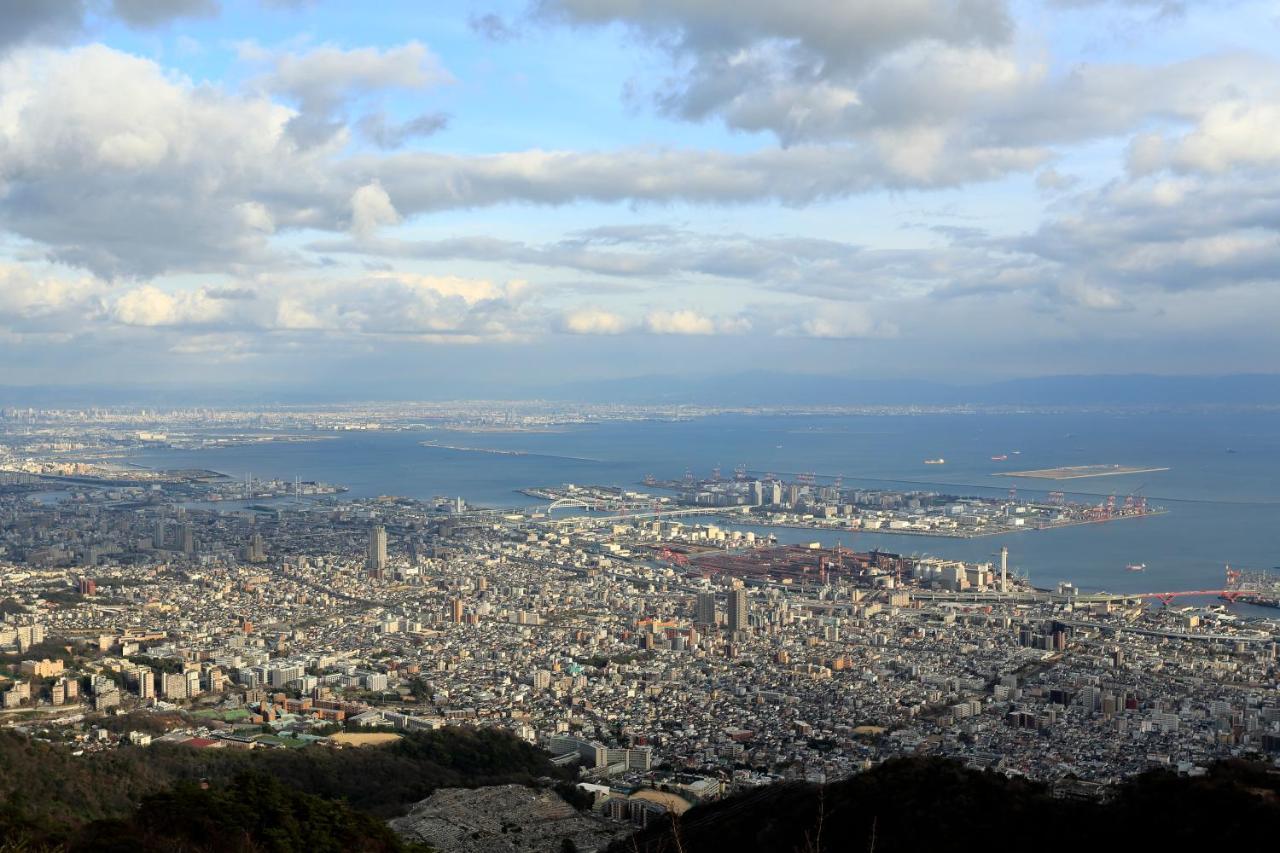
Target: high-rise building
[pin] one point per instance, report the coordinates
(174, 685)
(29, 635)
(88, 586)
(376, 561)
(188, 539)
(455, 609)
(757, 493)
(775, 493)
(706, 608)
(738, 610)
(281, 676)
(157, 535)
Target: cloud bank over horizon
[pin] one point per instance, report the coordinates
(274, 193)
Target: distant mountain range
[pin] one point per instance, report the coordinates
(759, 388)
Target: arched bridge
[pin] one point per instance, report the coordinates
(562, 503)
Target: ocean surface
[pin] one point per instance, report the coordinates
(1222, 488)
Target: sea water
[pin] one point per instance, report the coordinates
(1221, 489)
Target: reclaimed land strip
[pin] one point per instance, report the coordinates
(735, 518)
(503, 452)
(1078, 472)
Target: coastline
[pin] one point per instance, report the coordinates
(737, 519)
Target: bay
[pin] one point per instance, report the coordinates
(1222, 486)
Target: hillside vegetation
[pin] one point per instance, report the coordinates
(49, 796)
(915, 804)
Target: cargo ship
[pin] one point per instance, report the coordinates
(1000, 458)
(938, 461)
(1136, 567)
(1254, 598)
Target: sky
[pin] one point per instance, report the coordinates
(497, 195)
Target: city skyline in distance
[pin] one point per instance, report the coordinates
(749, 390)
(519, 197)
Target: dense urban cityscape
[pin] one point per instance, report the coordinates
(656, 639)
(604, 426)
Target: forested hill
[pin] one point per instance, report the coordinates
(154, 795)
(912, 804)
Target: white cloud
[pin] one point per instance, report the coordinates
(926, 91)
(471, 291)
(150, 306)
(1234, 134)
(114, 165)
(371, 207)
(432, 309)
(102, 148)
(30, 301)
(40, 21)
(1093, 296)
(1230, 134)
(684, 322)
(687, 321)
(838, 321)
(593, 321)
(181, 196)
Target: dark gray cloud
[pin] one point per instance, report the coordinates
(493, 27)
(910, 84)
(40, 21)
(1163, 8)
(666, 258)
(1168, 234)
(60, 21)
(325, 81)
(230, 293)
(155, 13)
(847, 34)
(421, 182)
(791, 68)
(387, 134)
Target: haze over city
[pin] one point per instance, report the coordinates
(275, 195)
